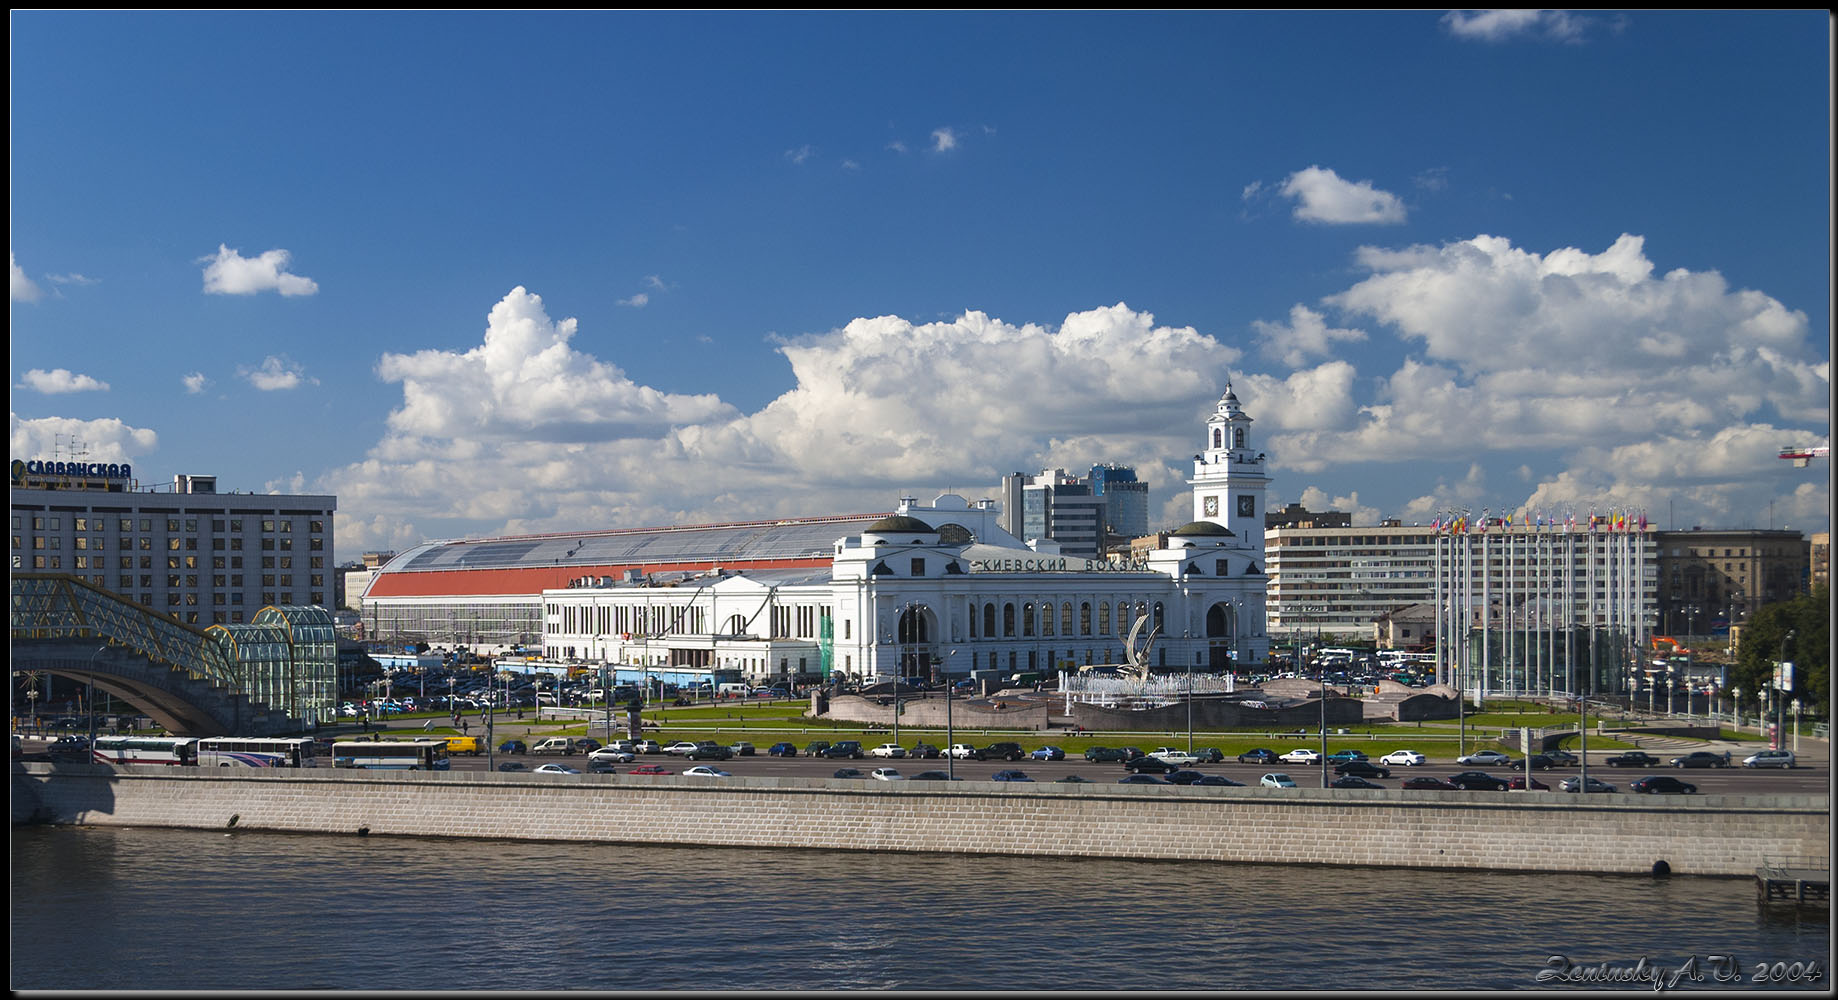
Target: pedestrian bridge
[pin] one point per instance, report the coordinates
(274, 675)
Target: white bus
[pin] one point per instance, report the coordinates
(145, 750)
(256, 751)
(407, 755)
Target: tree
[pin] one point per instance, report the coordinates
(1807, 617)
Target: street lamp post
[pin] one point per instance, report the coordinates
(1780, 693)
(1736, 708)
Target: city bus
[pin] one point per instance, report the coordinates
(145, 750)
(256, 751)
(407, 755)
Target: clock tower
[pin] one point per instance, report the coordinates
(1228, 477)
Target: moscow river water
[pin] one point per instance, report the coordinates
(139, 909)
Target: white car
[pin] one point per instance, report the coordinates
(886, 774)
(1484, 758)
(1173, 756)
(680, 747)
(888, 750)
(705, 771)
(612, 755)
(962, 751)
(1276, 781)
(1406, 758)
(1769, 758)
(1301, 756)
(553, 769)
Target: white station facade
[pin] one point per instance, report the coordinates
(928, 591)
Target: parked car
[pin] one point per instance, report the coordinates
(586, 744)
(1595, 785)
(1301, 755)
(1485, 758)
(1276, 780)
(513, 746)
(923, 751)
(1404, 758)
(846, 772)
(705, 771)
(815, 748)
(1001, 751)
(1048, 753)
(1662, 784)
(1353, 781)
(1150, 765)
(847, 748)
(888, 750)
(554, 769)
(1362, 769)
(680, 747)
(1218, 779)
(1424, 782)
(708, 750)
(646, 746)
(961, 751)
(1478, 781)
(782, 750)
(1210, 755)
(1518, 783)
(1700, 758)
(650, 769)
(1098, 755)
(1257, 756)
(1632, 758)
(886, 774)
(742, 749)
(1143, 779)
(1010, 776)
(1769, 758)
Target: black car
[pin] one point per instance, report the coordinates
(847, 772)
(1561, 758)
(1150, 765)
(782, 750)
(1210, 755)
(513, 765)
(1353, 781)
(923, 751)
(600, 767)
(1632, 758)
(815, 748)
(710, 751)
(847, 748)
(1701, 758)
(1098, 755)
(1143, 779)
(1257, 756)
(1479, 781)
(1362, 769)
(1073, 779)
(1184, 777)
(1662, 784)
(1001, 751)
(932, 776)
(587, 744)
(1218, 779)
(1536, 762)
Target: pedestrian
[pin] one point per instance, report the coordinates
(463, 727)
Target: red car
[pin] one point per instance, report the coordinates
(1518, 784)
(1425, 781)
(650, 769)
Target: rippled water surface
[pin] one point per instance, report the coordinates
(104, 908)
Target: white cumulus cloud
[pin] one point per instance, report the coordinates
(60, 380)
(1322, 196)
(24, 289)
(275, 374)
(230, 273)
(105, 440)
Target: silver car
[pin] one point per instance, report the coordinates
(1769, 758)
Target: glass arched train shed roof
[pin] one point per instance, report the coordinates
(530, 564)
(287, 657)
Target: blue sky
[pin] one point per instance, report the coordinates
(493, 273)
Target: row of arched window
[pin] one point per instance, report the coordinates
(1026, 619)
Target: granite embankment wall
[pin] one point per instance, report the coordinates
(1694, 835)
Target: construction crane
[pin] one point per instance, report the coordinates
(1802, 457)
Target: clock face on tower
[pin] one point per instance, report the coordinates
(1210, 506)
(1247, 506)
